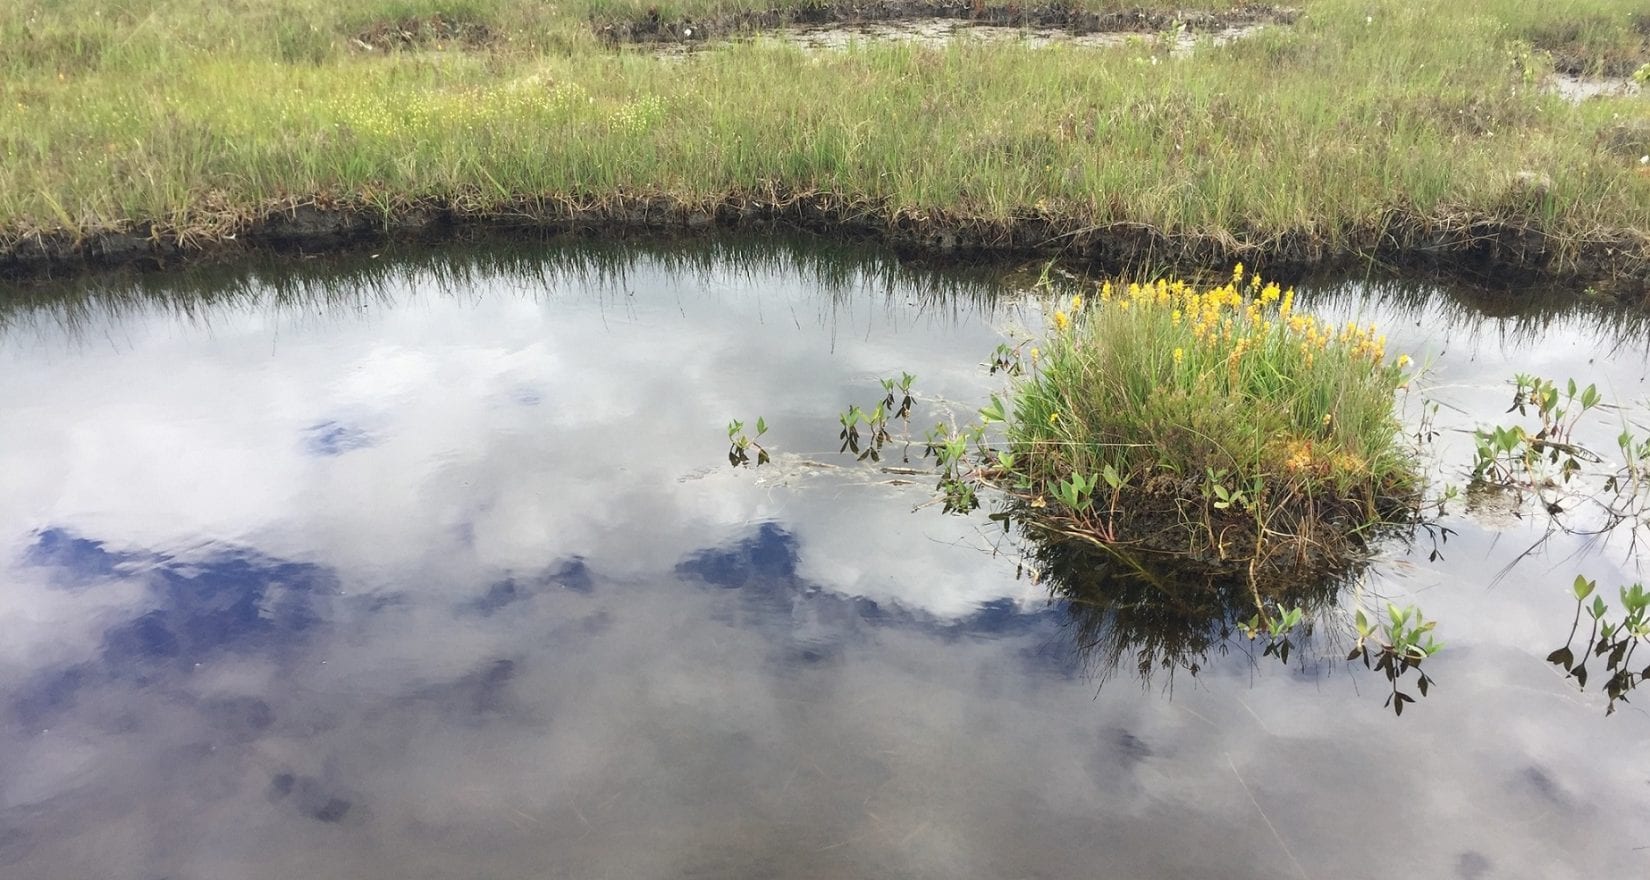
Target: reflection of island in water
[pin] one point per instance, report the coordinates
(1151, 615)
(1107, 616)
(1147, 614)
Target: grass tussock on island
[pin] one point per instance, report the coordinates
(1217, 427)
(1376, 129)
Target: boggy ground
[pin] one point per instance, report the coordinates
(1397, 131)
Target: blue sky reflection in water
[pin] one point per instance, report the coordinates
(437, 570)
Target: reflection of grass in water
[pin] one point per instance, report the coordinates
(1519, 318)
(1148, 614)
(1145, 614)
(844, 276)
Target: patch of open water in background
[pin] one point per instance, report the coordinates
(435, 568)
(939, 32)
(1575, 89)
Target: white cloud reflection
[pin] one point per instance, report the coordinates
(435, 720)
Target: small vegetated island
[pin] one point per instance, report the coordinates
(1180, 462)
(1216, 428)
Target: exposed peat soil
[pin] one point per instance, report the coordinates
(1493, 250)
(423, 32)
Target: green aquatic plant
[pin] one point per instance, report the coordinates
(1512, 456)
(1275, 627)
(1006, 360)
(740, 444)
(876, 427)
(900, 407)
(955, 459)
(899, 399)
(1542, 457)
(1402, 640)
(1612, 640)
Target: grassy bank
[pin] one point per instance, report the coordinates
(1390, 127)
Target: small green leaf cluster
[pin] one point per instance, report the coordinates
(1276, 628)
(950, 449)
(1612, 639)
(1512, 456)
(740, 444)
(1402, 641)
(897, 401)
(1223, 495)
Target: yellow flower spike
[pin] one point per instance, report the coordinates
(1105, 292)
(1034, 354)
(1061, 321)
(1404, 361)
(1237, 274)
(1076, 304)
(1174, 317)
(1054, 417)
(1179, 355)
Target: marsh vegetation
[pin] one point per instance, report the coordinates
(1393, 131)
